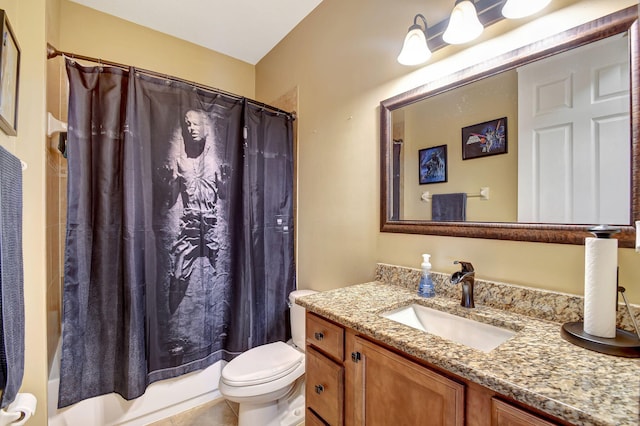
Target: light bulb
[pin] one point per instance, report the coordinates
(464, 25)
(414, 50)
(514, 9)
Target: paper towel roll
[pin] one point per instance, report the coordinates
(638, 236)
(19, 411)
(600, 286)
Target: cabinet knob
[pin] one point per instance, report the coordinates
(319, 389)
(355, 356)
(319, 335)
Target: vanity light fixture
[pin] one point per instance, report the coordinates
(467, 21)
(415, 50)
(514, 9)
(464, 25)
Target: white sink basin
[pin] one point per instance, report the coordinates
(470, 333)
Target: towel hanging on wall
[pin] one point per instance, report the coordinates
(449, 207)
(11, 278)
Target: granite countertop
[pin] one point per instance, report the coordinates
(536, 366)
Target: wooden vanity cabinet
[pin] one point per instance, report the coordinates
(392, 390)
(312, 419)
(504, 414)
(324, 393)
(324, 387)
(353, 381)
(325, 336)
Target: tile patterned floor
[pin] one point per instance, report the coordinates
(215, 413)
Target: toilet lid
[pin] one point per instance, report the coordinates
(262, 364)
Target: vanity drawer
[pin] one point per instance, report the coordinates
(325, 336)
(324, 387)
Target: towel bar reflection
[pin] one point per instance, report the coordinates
(483, 194)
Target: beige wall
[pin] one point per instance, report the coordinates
(438, 121)
(85, 31)
(342, 59)
(28, 20)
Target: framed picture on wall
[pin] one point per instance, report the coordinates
(484, 139)
(9, 71)
(432, 164)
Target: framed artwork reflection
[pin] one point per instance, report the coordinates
(484, 139)
(9, 73)
(432, 164)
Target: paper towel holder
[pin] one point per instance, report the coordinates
(604, 231)
(625, 343)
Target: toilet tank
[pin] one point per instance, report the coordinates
(297, 317)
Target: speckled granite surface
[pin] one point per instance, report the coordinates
(542, 304)
(536, 366)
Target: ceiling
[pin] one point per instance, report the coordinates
(243, 29)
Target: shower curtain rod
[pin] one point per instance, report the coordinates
(52, 52)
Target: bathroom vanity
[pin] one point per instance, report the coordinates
(363, 368)
(378, 385)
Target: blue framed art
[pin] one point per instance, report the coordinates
(432, 164)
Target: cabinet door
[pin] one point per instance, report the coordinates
(504, 414)
(324, 387)
(311, 419)
(392, 390)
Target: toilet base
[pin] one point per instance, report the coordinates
(255, 414)
(287, 411)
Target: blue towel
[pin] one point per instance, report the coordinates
(11, 278)
(449, 207)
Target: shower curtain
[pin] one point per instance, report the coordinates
(179, 245)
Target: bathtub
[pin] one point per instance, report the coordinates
(162, 399)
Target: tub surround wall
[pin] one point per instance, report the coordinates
(536, 303)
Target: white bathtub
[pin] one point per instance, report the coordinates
(162, 399)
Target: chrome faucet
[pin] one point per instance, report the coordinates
(465, 277)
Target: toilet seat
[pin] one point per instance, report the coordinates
(268, 381)
(262, 364)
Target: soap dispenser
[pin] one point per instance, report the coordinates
(426, 287)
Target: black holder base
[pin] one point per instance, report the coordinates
(625, 344)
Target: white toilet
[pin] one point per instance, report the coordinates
(268, 381)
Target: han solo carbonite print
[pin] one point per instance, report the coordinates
(193, 179)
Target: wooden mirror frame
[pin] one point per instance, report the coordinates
(615, 23)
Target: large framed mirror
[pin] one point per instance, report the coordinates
(531, 194)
